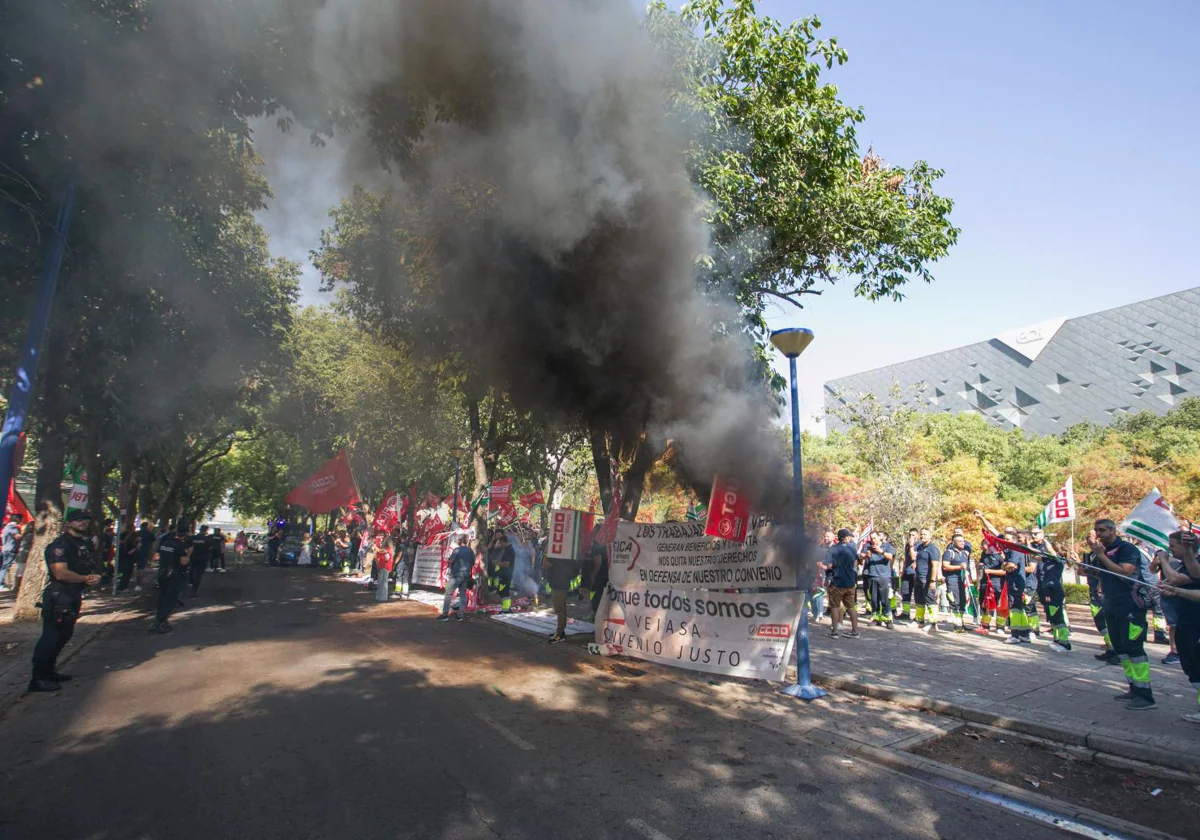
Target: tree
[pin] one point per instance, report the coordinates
(795, 203)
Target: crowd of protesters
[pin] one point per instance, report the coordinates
(1137, 594)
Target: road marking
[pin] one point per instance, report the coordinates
(505, 731)
(647, 831)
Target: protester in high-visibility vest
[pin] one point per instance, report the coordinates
(1181, 587)
(956, 559)
(927, 560)
(1124, 610)
(991, 589)
(1052, 596)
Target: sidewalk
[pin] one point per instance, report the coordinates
(17, 639)
(1063, 697)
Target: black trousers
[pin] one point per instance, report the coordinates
(168, 593)
(195, 574)
(1187, 643)
(56, 632)
(881, 597)
(956, 593)
(908, 584)
(124, 571)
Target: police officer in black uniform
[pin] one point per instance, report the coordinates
(202, 552)
(174, 553)
(71, 564)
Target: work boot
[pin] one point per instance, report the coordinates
(62, 678)
(1127, 696)
(36, 685)
(1160, 638)
(162, 628)
(1141, 703)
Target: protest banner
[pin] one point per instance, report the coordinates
(1061, 508)
(570, 534)
(499, 494)
(532, 500)
(387, 516)
(429, 566)
(679, 555)
(737, 635)
(728, 511)
(329, 488)
(77, 499)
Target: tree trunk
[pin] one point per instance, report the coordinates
(146, 500)
(602, 461)
(45, 531)
(178, 476)
(479, 465)
(94, 465)
(635, 481)
(52, 442)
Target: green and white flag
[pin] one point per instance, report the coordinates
(1152, 520)
(1061, 507)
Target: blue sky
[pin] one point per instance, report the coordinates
(1067, 132)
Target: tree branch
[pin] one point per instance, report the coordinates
(790, 297)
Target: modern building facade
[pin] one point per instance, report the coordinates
(1046, 377)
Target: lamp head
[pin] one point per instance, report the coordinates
(793, 341)
(458, 452)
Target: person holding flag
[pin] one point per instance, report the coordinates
(991, 589)
(1050, 593)
(1125, 611)
(1091, 569)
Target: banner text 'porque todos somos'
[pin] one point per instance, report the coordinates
(739, 635)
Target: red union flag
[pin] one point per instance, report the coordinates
(387, 517)
(16, 505)
(570, 534)
(329, 488)
(500, 494)
(531, 500)
(728, 511)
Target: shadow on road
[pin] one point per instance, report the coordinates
(374, 723)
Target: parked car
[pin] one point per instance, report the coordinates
(289, 551)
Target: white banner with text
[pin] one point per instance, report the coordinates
(732, 634)
(429, 566)
(678, 555)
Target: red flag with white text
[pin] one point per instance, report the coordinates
(728, 511)
(532, 500)
(329, 488)
(387, 515)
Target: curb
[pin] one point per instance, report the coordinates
(909, 764)
(8, 701)
(1121, 748)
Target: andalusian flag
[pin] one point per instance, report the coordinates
(1061, 507)
(1152, 520)
(698, 513)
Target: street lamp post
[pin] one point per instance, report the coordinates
(457, 453)
(791, 343)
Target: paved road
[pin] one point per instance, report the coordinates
(289, 705)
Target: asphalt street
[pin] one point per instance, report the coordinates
(290, 705)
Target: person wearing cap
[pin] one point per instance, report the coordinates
(71, 567)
